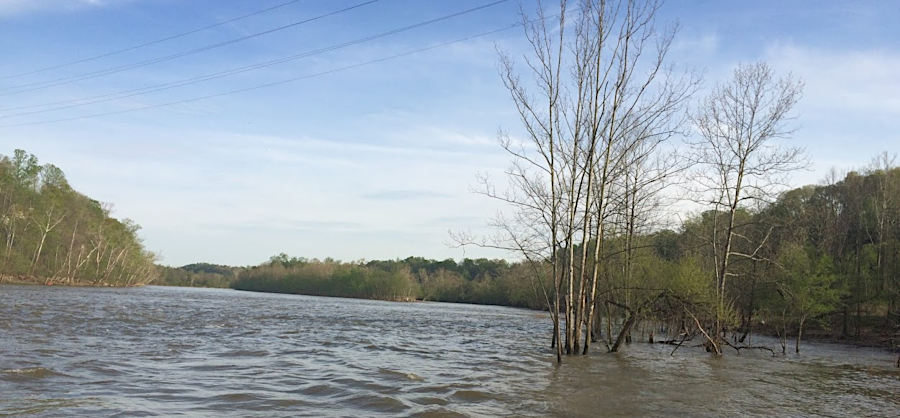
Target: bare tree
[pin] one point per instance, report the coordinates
(739, 161)
(599, 87)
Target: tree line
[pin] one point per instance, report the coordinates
(197, 275)
(825, 257)
(55, 235)
(478, 281)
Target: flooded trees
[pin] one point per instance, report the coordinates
(738, 162)
(598, 94)
(804, 290)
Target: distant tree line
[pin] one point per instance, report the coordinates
(197, 275)
(50, 233)
(479, 281)
(825, 257)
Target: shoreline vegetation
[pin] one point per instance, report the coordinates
(52, 232)
(828, 267)
(605, 156)
(472, 281)
(41, 281)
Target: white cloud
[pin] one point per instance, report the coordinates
(218, 195)
(700, 45)
(850, 111)
(860, 80)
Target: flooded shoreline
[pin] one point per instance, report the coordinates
(156, 351)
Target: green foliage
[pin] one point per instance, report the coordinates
(805, 285)
(819, 255)
(329, 278)
(478, 281)
(54, 234)
(197, 275)
(691, 283)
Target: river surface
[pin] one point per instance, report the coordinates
(154, 351)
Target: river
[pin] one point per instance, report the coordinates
(154, 351)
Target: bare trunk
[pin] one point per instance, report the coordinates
(626, 330)
(799, 336)
(45, 230)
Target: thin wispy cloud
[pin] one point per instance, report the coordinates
(860, 80)
(376, 161)
(703, 44)
(455, 221)
(297, 225)
(405, 195)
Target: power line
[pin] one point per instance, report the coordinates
(290, 80)
(132, 48)
(95, 74)
(199, 79)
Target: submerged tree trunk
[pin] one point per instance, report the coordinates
(624, 332)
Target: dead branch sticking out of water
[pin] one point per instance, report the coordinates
(709, 339)
(751, 347)
(683, 338)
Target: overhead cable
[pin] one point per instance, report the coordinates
(158, 41)
(80, 77)
(257, 87)
(207, 77)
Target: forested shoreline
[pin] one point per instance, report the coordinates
(477, 281)
(604, 153)
(830, 267)
(829, 262)
(52, 234)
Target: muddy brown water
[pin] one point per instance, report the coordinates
(154, 351)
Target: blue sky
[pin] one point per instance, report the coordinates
(373, 162)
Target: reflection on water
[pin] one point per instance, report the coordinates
(195, 352)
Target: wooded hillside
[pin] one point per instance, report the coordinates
(53, 234)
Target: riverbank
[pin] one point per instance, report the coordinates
(42, 281)
(877, 338)
(867, 338)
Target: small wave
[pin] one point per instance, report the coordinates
(357, 384)
(236, 397)
(29, 373)
(377, 403)
(472, 395)
(32, 406)
(438, 413)
(322, 390)
(397, 375)
(244, 353)
(442, 389)
(430, 400)
(210, 367)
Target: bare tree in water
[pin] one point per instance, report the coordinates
(739, 162)
(597, 93)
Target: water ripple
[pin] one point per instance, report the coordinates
(214, 353)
